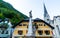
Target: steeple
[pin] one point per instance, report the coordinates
(45, 11)
(46, 15)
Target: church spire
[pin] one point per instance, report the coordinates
(46, 15)
(45, 11)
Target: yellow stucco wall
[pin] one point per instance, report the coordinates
(25, 29)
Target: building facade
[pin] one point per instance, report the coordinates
(5, 28)
(55, 23)
(42, 29)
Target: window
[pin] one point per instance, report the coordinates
(40, 24)
(24, 24)
(44, 24)
(51, 37)
(3, 32)
(58, 29)
(6, 32)
(36, 26)
(20, 24)
(47, 32)
(27, 26)
(40, 32)
(20, 32)
(47, 19)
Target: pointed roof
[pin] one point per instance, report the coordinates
(45, 10)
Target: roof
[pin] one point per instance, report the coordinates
(35, 20)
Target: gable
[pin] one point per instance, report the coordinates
(35, 21)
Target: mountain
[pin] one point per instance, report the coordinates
(7, 11)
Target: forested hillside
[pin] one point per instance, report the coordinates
(7, 11)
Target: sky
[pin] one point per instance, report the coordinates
(24, 6)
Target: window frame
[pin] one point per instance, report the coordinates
(47, 32)
(40, 32)
(24, 24)
(20, 24)
(20, 31)
(40, 24)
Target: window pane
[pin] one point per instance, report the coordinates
(24, 24)
(40, 24)
(44, 24)
(27, 26)
(20, 32)
(6, 32)
(36, 26)
(20, 24)
(40, 32)
(47, 32)
(58, 29)
(47, 19)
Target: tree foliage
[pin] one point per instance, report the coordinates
(7, 11)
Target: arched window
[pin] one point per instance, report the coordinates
(47, 19)
(40, 24)
(20, 32)
(24, 24)
(20, 24)
(47, 32)
(40, 32)
(58, 29)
